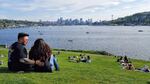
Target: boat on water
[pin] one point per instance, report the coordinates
(140, 30)
(41, 33)
(70, 40)
(87, 32)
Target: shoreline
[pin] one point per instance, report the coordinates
(105, 53)
(5, 46)
(1, 28)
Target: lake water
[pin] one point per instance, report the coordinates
(118, 40)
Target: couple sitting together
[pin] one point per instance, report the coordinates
(40, 56)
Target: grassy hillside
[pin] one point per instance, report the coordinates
(102, 70)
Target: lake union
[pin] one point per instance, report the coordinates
(133, 41)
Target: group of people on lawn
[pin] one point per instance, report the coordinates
(40, 57)
(127, 65)
(80, 58)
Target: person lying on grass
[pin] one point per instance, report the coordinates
(144, 69)
(41, 51)
(17, 56)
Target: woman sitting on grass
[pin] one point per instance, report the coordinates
(123, 59)
(41, 51)
(88, 59)
(125, 63)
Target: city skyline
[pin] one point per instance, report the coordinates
(51, 10)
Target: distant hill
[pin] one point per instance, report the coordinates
(5, 23)
(142, 19)
(135, 19)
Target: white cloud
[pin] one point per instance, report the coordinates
(77, 8)
(128, 0)
(48, 4)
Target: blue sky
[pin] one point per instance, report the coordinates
(52, 9)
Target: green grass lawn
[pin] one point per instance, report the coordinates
(102, 70)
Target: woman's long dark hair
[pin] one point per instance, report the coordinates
(40, 50)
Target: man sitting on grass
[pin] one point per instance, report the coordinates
(17, 55)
